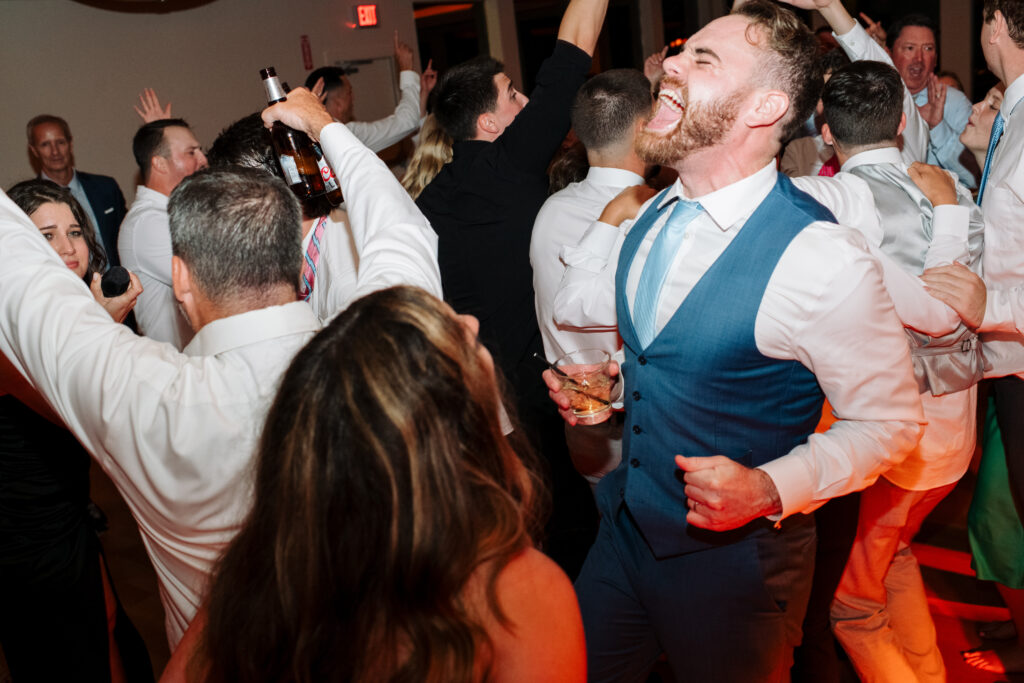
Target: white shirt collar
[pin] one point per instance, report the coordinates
(1014, 94)
(882, 155)
(152, 196)
(731, 203)
(74, 178)
(613, 177)
(252, 327)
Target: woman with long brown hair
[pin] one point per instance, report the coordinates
(391, 535)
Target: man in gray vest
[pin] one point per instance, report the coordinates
(740, 303)
(880, 613)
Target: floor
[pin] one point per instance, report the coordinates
(956, 597)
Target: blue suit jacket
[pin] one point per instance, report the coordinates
(108, 205)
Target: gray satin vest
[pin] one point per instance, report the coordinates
(942, 365)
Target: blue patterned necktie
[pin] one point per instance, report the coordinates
(993, 140)
(659, 260)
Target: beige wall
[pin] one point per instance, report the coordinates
(958, 40)
(88, 65)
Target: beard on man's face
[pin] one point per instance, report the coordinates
(701, 125)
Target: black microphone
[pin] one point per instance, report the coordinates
(115, 282)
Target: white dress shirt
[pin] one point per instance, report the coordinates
(947, 445)
(858, 45)
(561, 222)
(1003, 206)
(383, 133)
(825, 306)
(144, 244)
(177, 431)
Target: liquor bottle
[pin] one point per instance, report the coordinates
(295, 153)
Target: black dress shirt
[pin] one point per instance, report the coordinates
(482, 205)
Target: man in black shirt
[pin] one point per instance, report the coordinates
(482, 205)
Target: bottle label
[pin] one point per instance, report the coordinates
(327, 173)
(290, 170)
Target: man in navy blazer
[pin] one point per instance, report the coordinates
(49, 143)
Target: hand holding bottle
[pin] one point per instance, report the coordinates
(302, 111)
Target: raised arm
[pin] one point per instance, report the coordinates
(581, 23)
(858, 45)
(395, 243)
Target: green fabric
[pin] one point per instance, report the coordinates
(993, 525)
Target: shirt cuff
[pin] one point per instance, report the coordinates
(949, 236)
(793, 483)
(409, 79)
(999, 312)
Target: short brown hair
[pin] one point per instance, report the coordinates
(47, 118)
(1013, 12)
(793, 66)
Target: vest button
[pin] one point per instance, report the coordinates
(636, 429)
(622, 493)
(636, 395)
(642, 360)
(634, 463)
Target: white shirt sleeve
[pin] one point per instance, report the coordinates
(850, 200)
(86, 366)
(586, 295)
(915, 307)
(1004, 311)
(949, 236)
(383, 133)
(807, 318)
(395, 243)
(859, 46)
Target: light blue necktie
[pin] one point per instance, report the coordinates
(659, 260)
(993, 140)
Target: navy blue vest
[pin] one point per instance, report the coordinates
(701, 387)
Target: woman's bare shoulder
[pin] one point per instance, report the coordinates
(543, 639)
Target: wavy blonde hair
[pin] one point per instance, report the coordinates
(430, 156)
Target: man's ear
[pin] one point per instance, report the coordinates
(903, 124)
(158, 164)
(184, 290)
(181, 278)
(998, 26)
(826, 135)
(32, 151)
(769, 108)
(486, 124)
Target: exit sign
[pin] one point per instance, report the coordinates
(366, 16)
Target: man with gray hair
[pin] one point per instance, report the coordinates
(176, 431)
(607, 113)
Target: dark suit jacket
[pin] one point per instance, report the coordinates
(108, 205)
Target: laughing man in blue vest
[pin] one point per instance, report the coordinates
(740, 305)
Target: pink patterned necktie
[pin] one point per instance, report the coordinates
(312, 258)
